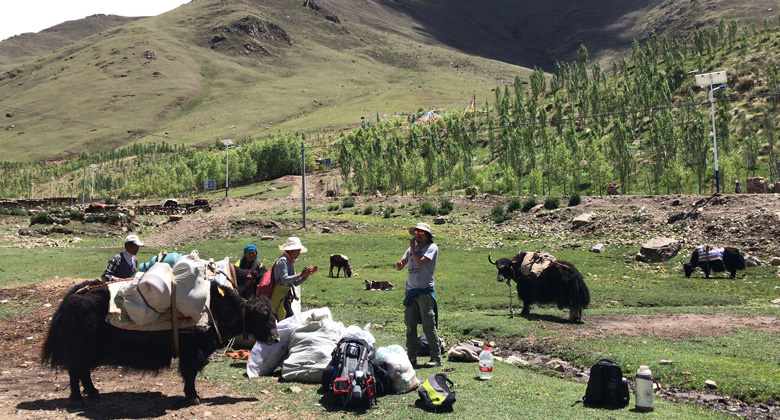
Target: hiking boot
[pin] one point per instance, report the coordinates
(433, 363)
(414, 363)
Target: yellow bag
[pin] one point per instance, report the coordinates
(279, 297)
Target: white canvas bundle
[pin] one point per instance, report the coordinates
(155, 286)
(134, 305)
(310, 351)
(191, 286)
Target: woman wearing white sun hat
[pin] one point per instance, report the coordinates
(288, 282)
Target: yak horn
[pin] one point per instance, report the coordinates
(491, 261)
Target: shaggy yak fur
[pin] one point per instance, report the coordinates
(560, 283)
(80, 339)
(731, 262)
(340, 261)
(246, 281)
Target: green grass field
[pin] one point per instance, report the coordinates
(472, 305)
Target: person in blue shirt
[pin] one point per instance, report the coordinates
(420, 297)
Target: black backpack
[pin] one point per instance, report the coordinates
(436, 394)
(607, 387)
(423, 349)
(350, 374)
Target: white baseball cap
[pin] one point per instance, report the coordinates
(133, 239)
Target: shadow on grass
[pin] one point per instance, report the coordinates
(126, 405)
(535, 317)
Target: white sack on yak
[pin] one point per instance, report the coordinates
(155, 286)
(192, 288)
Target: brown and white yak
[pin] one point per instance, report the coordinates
(80, 339)
(545, 280)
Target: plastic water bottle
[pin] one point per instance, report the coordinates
(486, 364)
(644, 389)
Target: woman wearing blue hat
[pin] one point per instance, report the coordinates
(249, 262)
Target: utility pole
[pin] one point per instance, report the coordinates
(84, 186)
(303, 182)
(710, 79)
(227, 143)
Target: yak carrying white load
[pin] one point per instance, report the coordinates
(148, 297)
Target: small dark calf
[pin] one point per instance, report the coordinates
(731, 262)
(340, 261)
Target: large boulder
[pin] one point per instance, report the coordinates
(658, 250)
(753, 261)
(581, 220)
(598, 248)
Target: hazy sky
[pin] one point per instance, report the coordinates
(20, 16)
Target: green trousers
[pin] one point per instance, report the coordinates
(422, 307)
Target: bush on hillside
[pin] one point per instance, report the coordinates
(446, 206)
(498, 214)
(514, 205)
(428, 209)
(528, 204)
(552, 202)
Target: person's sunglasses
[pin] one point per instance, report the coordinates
(418, 231)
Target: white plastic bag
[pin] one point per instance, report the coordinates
(353, 331)
(402, 375)
(265, 358)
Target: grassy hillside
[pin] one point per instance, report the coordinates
(25, 47)
(217, 69)
(226, 70)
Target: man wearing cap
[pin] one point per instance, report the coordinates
(124, 264)
(288, 282)
(420, 298)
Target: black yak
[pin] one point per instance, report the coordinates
(558, 283)
(80, 339)
(246, 280)
(340, 261)
(715, 259)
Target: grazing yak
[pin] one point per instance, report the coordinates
(545, 280)
(340, 261)
(710, 258)
(80, 339)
